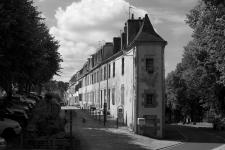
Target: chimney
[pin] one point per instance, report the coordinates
(133, 26)
(107, 50)
(132, 17)
(116, 44)
(124, 37)
(123, 40)
(125, 28)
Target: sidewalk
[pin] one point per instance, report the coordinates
(94, 136)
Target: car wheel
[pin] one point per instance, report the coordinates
(8, 133)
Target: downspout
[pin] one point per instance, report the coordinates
(137, 86)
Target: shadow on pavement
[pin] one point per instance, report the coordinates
(94, 136)
(194, 134)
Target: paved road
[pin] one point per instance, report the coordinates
(94, 136)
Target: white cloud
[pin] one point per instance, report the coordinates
(82, 24)
(181, 30)
(167, 15)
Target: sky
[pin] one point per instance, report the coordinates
(82, 26)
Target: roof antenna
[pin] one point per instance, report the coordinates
(130, 7)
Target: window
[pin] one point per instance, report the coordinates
(101, 99)
(83, 84)
(105, 96)
(105, 73)
(109, 70)
(80, 97)
(92, 97)
(108, 102)
(95, 77)
(87, 79)
(98, 98)
(149, 65)
(113, 69)
(122, 66)
(113, 96)
(122, 94)
(148, 100)
(102, 74)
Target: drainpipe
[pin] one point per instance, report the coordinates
(107, 95)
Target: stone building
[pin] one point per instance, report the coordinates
(128, 76)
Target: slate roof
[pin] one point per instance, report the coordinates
(147, 33)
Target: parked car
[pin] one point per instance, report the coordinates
(3, 143)
(18, 105)
(34, 96)
(19, 101)
(219, 124)
(17, 115)
(24, 99)
(9, 128)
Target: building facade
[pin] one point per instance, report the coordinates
(127, 76)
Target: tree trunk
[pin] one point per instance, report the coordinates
(29, 87)
(9, 92)
(39, 89)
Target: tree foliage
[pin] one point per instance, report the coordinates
(28, 53)
(57, 87)
(200, 77)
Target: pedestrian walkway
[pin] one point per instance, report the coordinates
(94, 136)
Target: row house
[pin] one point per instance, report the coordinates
(128, 76)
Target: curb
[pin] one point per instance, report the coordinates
(168, 147)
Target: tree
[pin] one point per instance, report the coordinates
(57, 87)
(200, 83)
(208, 22)
(28, 52)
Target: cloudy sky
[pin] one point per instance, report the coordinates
(81, 26)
